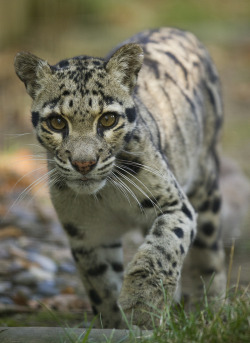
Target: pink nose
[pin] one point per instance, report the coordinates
(83, 167)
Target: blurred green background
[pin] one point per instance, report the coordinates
(55, 29)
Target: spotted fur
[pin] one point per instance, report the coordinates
(155, 167)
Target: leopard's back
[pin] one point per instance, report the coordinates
(179, 96)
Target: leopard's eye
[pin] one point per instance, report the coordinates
(108, 120)
(57, 123)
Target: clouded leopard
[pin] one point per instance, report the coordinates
(131, 142)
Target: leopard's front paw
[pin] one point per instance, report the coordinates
(142, 297)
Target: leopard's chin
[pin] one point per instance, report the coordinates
(86, 186)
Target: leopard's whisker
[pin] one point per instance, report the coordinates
(15, 135)
(155, 203)
(119, 187)
(140, 190)
(142, 166)
(32, 185)
(25, 175)
(130, 192)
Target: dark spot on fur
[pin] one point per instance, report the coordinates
(205, 206)
(80, 251)
(131, 114)
(127, 137)
(90, 102)
(157, 231)
(151, 264)
(164, 272)
(208, 228)
(63, 64)
(186, 211)
(173, 203)
(161, 222)
(136, 138)
(179, 232)
(159, 263)
(94, 296)
(174, 264)
(182, 249)
(112, 246)
(163, 251)
(108, 99)
(66, 93)
(216, 205)
(71, 103)
(71, 229)
(117, 267)
(199, 244)
(97, 271)
(96, 63)
(35, 118)
(147, 203)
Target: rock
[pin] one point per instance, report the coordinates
(41, 274)
(43, 261)
(25, 278)
(32, 276)
(47, 288)
(10, 231)
(4, 251)
(5, 286)
(67, 267)
(6, 300)
(4, 267)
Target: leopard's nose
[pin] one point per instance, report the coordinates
(83, 167)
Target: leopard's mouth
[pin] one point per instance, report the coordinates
(86, 185)
(84, 178)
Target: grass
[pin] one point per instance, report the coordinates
(230, 323)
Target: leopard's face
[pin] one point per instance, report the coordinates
(83, 114)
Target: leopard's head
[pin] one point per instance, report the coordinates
(83, 112)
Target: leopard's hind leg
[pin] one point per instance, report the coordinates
(205, 263)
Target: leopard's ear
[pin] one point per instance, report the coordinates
(31, 70)
(125, 64)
